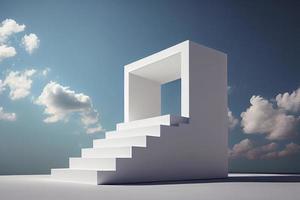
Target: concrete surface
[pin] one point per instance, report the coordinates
(237, 186)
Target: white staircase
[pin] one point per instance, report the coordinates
(164, 148)
(99, 165)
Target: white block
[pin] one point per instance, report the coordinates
(138, 141)
(149, 130)
(113, 152)
(93, 163)
(75, 175)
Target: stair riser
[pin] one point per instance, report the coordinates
(166, 120)
(163, 120)
(106, 153)
(123, 142)
(150, 131)
(80, 176)
(92, 163)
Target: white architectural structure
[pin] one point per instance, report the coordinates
(150, 147)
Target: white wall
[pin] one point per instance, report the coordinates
(208, 103)
(144, 98)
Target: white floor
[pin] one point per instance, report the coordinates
(237, 186)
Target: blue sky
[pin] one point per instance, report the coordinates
(85, 44)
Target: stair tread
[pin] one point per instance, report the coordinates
(125, 138)
(140, 141)
(168, 120)
(137, 128)
(140, 131)
(74, 169)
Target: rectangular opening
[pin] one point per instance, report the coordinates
(171, 98)
(153, 87)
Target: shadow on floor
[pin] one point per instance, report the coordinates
(250, 178)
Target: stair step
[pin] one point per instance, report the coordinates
(150, 130)
(138, 141)
(113, 152)
(168, 120)
(103, 164)
(75, 175)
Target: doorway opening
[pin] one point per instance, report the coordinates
(171, 98)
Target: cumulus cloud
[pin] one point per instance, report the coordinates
(289, 102)
(6, 52)
(31, 42)
(260, 151)
(9, 27)
(232, 121)
(262, 118)
(7, 116)
(241, 148)
(19, 83)
(60, 102)
(249, 150)
(290, 149)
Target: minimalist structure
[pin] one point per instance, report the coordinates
(149, 146)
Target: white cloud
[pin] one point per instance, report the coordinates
(90, 121)
(46, 71)
(19, 83)
(9, 27)
(60, 102)
(6, 52)
(247, 149)
(229, 89)
(241, 148)
(89, 118)
(7, 116)
(2, 86)
(91, 130)
(232, 121)
(289, 102)
(262, 118)
(30, 42)
(290, 149)
(260, 151)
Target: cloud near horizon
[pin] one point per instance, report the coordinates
(248, 149)
(274, 122)
(60, 102)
